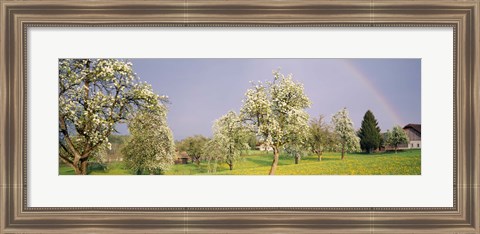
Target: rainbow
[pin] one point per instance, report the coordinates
(381, 99)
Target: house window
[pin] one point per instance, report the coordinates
(418, 145)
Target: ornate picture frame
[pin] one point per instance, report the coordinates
(17, 16)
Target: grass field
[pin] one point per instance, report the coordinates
(406, 162)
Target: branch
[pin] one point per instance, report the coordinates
(63, 129)
(87, 152)
(66, 160)
(65, 148)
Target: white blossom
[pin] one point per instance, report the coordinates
(151, 148)
(276, 111)
(396, 136)
(343, 127)
(230, 137)
(94, 94)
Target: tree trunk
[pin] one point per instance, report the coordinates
(231, 166)
(297, 159)
(275, 161)
(77, 169)
(84, 164)
(80, 166)
(395, 149)
(319, 156)
(343, 152)
(76, 164)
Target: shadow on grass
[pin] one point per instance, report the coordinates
(260, 161)
(329, 159)
(388, 152)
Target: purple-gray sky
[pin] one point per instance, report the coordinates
(202, 90)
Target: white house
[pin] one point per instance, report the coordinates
(264, 147)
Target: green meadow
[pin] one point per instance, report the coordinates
(406, 162)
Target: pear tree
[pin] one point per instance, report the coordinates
(214, 154)
(275, 110)
(230, 138)
(348, 141)
(150, 149)
(396, 137)
(194, 146)
(95, 95)
(320, 136)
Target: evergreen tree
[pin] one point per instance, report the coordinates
(369, 133)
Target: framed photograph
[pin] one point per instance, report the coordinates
(240, 116)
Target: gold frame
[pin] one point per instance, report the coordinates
(17, 16)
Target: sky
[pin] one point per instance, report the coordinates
(202, 90)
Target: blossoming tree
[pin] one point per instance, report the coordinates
(348, 139)
(94, 95)
(214, 154)
(230, 137)
(276, 111)
(396, 137)
(151, 148)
